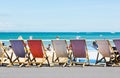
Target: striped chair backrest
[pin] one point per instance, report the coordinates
(36, 48)
(104, 47)
(79, 48)
(18, 47)
(60, 47)
(117, 44)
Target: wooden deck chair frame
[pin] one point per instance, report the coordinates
(20, 51)
(38, 52)
(3, 53)
(61, 51)
(105, 49)
(79, 50)
(117, 52)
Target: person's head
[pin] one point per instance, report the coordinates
(57, 37)
(49, 44)
(3, 44)
(94, 42)
(20, 38)
(77, 37)
(30, 37)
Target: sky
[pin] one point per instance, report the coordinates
(59, 15)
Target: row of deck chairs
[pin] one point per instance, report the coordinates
(77, 49)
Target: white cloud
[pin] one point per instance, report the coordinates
(6, 26)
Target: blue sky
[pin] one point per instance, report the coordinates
(60, 15)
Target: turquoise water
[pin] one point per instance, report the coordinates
(48, 36)
(63, 35)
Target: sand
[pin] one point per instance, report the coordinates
(60, 72)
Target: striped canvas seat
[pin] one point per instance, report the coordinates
(105, 49)
(20, 51)
(117, 44)
(60, 48)
(38, 51)
(79, 49)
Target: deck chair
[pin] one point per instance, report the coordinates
(79, 50)
(105, 49)
(117, 45)
(4, 55)
(20, 51)
(61, 51)
(38, 51)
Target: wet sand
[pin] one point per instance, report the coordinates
(60, 72)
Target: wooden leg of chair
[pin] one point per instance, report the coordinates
(53, 58)
(97, 58)
(34, 59)
(105, 62)
(21, 65)
(28, 60)
(0, 61)
(88, 60)
(70, 60)
(28, 64)
(83, 64)
(11, 55)
(9, 65)
(48, 61)
(11, 62)
(74, 61)
(19, 61)
(41, 62)
(8, 57)
(65, 64)
(71, 63)
(2, 58)
(56, 59)
(100, 59)
(15, 59)
(39, 65)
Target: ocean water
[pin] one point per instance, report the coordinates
(48, 36)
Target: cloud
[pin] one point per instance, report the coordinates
(6, 26)
(2, 15)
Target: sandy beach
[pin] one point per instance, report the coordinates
(60, 72)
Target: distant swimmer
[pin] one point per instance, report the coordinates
(77, 37)
(30, 37)
(20, 38)
(95, 45)
(57, 37)
(49, 47)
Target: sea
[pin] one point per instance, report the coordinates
(46, 37)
